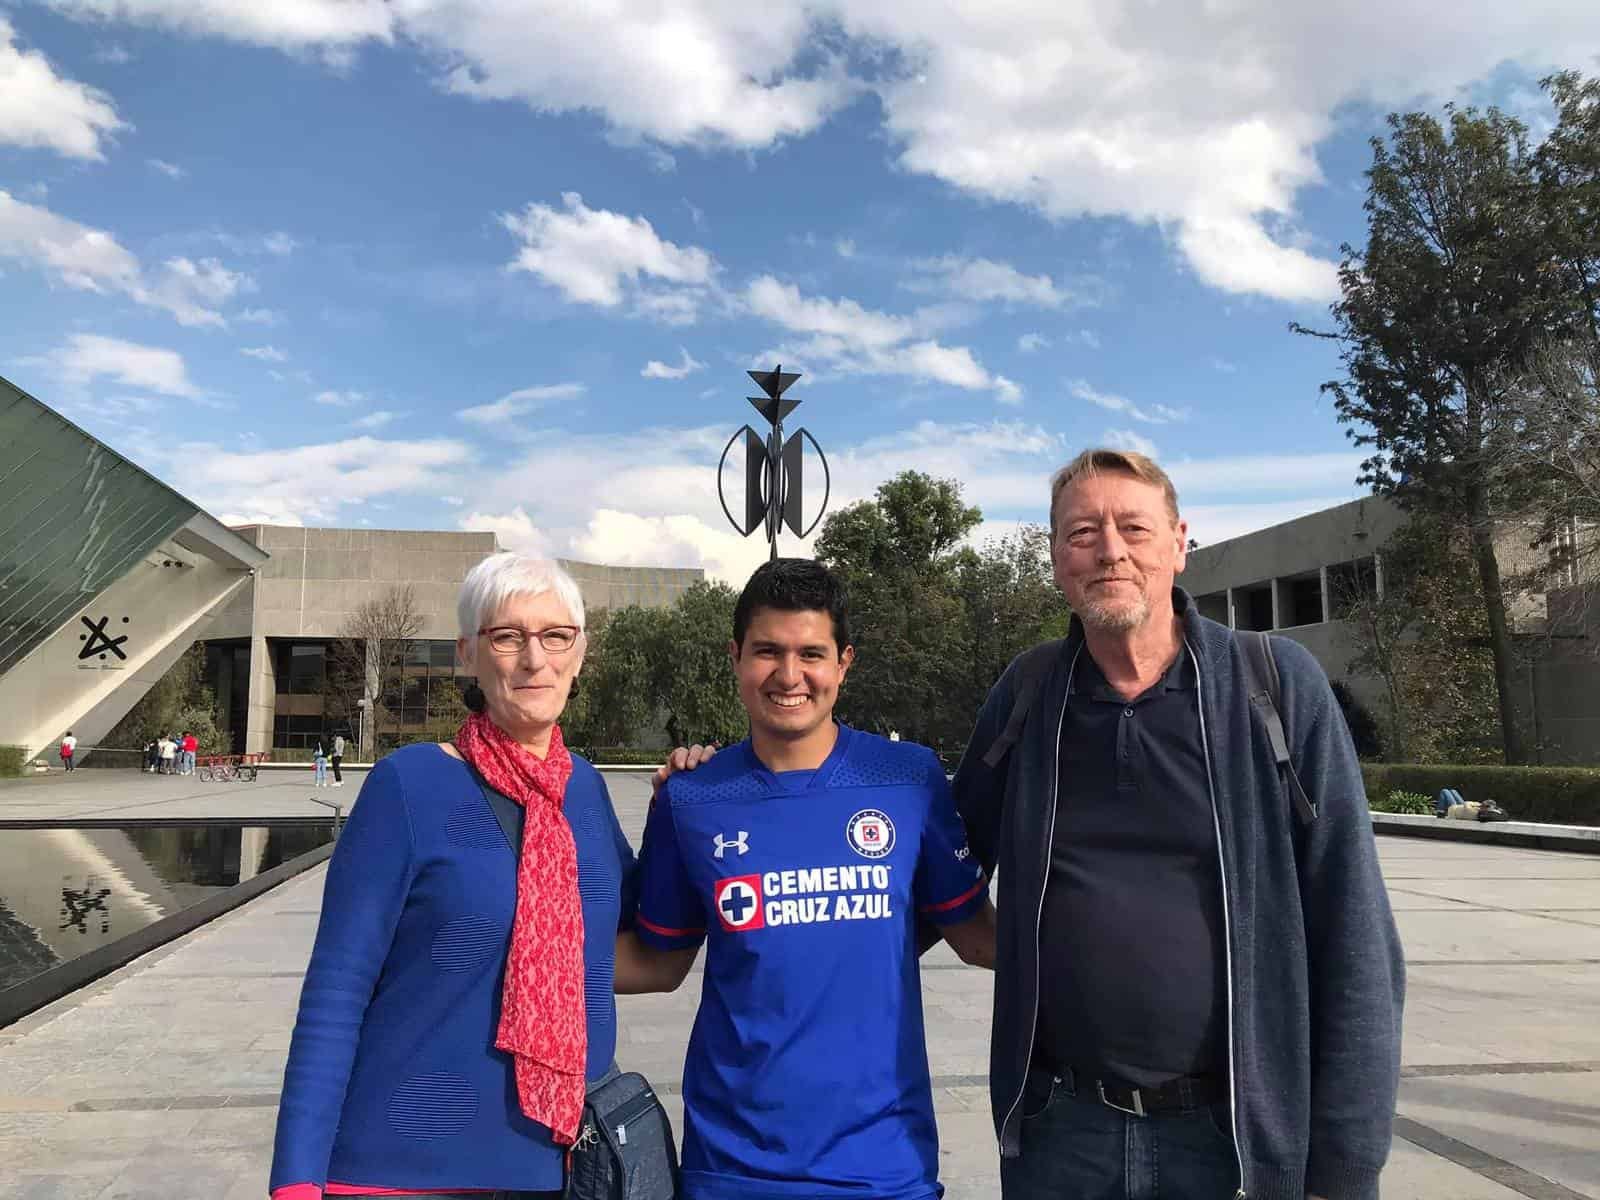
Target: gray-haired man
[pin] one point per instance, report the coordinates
(1191, 972)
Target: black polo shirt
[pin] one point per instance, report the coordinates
(1133, 978)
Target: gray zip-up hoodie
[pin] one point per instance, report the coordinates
(1315, 969)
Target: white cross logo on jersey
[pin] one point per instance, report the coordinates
(740, 843)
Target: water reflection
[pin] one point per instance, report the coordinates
(65, 892)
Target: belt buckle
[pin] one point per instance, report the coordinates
(1138, 1104)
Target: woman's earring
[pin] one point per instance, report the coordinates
(472, 696)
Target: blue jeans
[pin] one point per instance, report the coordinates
(1078, 1149)
(322, 770)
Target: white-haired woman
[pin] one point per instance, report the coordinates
(459, 994)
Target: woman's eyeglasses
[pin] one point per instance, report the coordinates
(509, 639)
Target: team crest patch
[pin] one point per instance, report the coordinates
(738, 903)
(870, 833)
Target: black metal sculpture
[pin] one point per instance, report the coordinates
(773, 478)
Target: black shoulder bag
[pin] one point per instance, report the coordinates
(625, 1149)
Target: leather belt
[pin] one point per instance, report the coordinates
(1183, 1094)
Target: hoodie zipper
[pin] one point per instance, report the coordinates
(1227, 925)
(1038, 916)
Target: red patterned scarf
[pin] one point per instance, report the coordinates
(542, 1019)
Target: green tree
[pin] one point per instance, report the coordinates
(615, 699)
(897, 556)
(178, 701)
(1426, 638)
(1010, 603)
(692, 680)
(1455, 285)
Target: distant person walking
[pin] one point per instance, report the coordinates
(319, 757)
(169, 750)
(337, 758)
(69, 746)
(152, 756)
(190, 745)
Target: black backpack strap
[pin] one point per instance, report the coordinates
(1031, 669)
(1267, 695)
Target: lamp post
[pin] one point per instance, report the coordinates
(363, 706)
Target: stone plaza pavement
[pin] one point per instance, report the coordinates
(120, 794)
(161, 1079)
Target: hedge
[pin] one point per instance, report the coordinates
(12, 759)
(1559, 795)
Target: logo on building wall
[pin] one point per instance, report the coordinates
(97, 642)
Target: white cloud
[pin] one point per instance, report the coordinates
(1029, 342)
(1155, 414)
(276, 244)
(86, 358)
(170, 170)
(1085, 337)
(337, 399)
(113, 55)
(980, 280)
(264, 353)
(514, 530)
(520, 402)
(87, 259)
(845, 248)
(312, 483)
(1128, 439)
(260, 316)
(1201, 121)
(656, 369)
(376, 419)
(41, 110)
(193, 292)
(283, 24)
(602, 258)
(846, 337)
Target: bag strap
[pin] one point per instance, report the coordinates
(1266, 695)
(1032, 668)
(506, 810)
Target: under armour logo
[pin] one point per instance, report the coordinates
(739, 843)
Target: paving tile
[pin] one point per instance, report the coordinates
(1496, 983)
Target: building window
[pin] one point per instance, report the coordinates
(427, 689)
(1213, 605)
(1349, 583)
(301, 703)
(1252, 607)
(1300, 598)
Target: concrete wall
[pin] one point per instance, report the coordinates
(165, 608)
(1334, 535)
(1557, 687)
(317, 578)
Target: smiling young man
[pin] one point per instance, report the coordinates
(804, 855)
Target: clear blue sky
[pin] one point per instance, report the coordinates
(501, 265)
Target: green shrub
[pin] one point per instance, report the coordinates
(12, 759)
(1558, 795)
(1398, 801)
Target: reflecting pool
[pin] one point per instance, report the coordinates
(66, 891)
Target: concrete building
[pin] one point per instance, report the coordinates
(107, 576)
(1297, 579)
(269, 649)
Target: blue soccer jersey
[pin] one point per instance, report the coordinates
(807, 1073)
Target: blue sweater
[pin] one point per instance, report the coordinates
(393, 1080)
